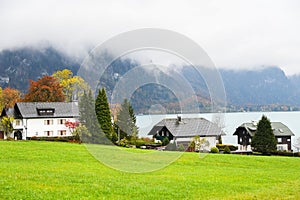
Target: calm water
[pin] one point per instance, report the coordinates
(231, 122)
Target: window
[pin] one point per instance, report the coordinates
(18, 122)
(48, 133)
(45, 111)
(61, 121)
(62, 132)
(279, 140)
(289, 140)
(48, 122)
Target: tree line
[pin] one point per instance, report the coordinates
(96, 122)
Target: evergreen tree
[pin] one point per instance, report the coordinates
(264, 140)
(89, 119)
(126, 122)
(104, 116)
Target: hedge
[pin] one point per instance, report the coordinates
(221, 147)
(55, 139)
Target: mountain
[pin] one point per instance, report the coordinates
(18, 66)
(259, 87)
(244, 88)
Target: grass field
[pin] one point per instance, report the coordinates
(50, 170)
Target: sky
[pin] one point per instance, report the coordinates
(235, 34)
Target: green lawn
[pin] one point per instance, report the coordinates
(50, 170)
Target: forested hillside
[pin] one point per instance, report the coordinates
(252, 89)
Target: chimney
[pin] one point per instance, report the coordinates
(178, 118)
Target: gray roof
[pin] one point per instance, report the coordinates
(279, 129)
(29, 109)
(188, 127)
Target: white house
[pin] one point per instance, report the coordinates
(41, 119)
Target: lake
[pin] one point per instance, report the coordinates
(231, 121)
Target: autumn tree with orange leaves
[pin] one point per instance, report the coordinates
(45, 89)
(10, 97)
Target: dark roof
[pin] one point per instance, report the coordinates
(279, 129)
(30, 109)
(188, 127)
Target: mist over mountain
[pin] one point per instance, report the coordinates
(18, 66)
(268, 86)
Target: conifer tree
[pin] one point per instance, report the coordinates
(264, 140)
(104, 116)
(89, 119)
(126, 121)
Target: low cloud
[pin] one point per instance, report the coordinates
(235, 34)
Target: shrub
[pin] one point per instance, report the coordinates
(165, 141)
(10, 139)
(53, 139)
(221, 147)
(181, 147)
(139, 143)
(172, 147)
(227, 150)
(123, 142)
(148, 140)
(214, 150)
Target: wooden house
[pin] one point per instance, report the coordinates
(246, 131)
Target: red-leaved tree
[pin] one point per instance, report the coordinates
(45, 89)
(71, 125)
(10, 97)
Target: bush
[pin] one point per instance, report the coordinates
(171, 147)
(148, 140)
(181, 147)
(165, 141)
(10, 139)
(221, 147)
(227, 150)
(139, 143)
(143, 142)
(282, 153)
(214, 150)
(53, 139)
(124, 142)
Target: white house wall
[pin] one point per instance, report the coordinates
(37, 127)
(211, 139)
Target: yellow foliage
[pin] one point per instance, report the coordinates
(73, 86)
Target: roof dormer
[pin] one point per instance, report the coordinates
(45, 111)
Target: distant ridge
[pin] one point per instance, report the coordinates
(244, 88)
(18, 66)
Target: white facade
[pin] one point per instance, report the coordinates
(42, 127)
(42, 119)
(280, 147)
(211, 141)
